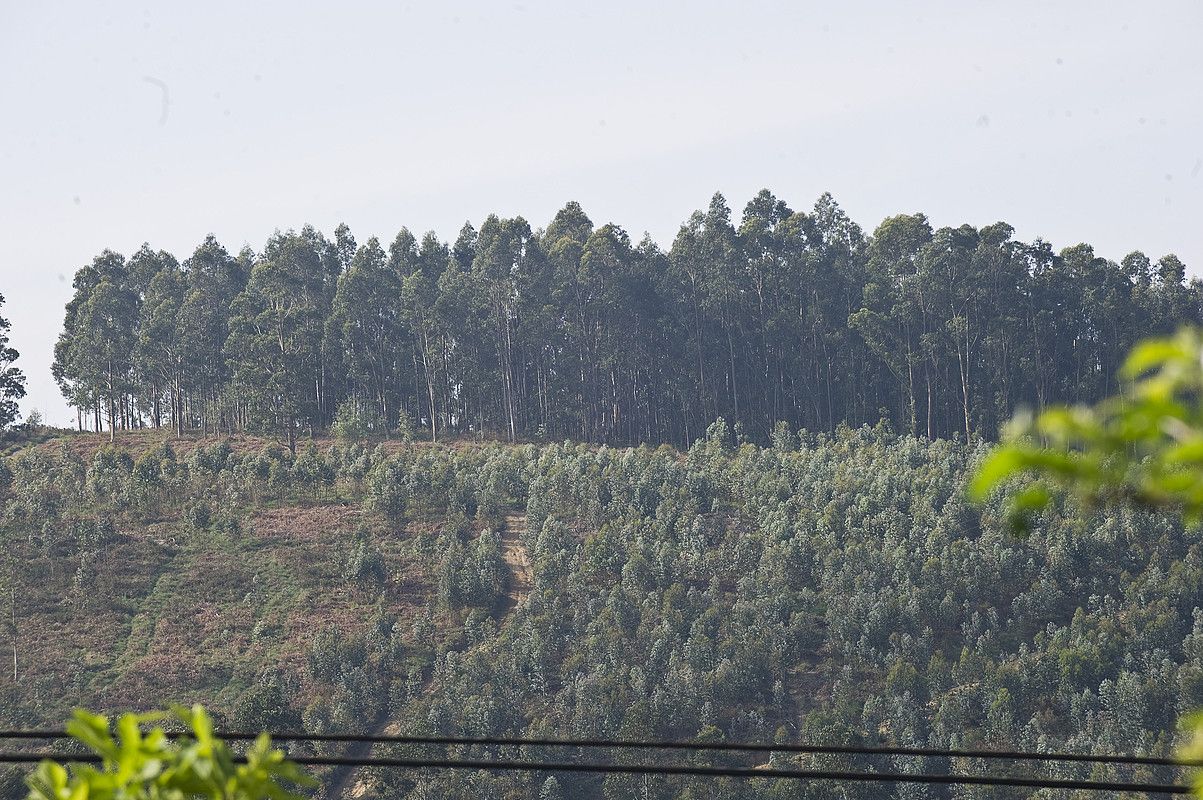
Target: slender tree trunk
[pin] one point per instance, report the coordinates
(734, 377)
(112, 407)
(927, 374)
(964, 368)
(429, 385)
(507, 378)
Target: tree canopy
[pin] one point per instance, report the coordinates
(1143, 446)
(12, 379)
(577, 330)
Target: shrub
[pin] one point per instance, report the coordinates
(211, 459)
(109, 475)
(364, 565)
(405, 426)
(387, 490)
(357, 419)
(140, 766)
(312, 471)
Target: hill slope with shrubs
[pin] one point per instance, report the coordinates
(833, 588)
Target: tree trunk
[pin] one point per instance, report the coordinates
(112, 409)
(429, 384)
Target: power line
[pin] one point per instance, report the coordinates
(625, 744)
(713, 772)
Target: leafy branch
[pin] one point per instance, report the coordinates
(135, 765)
(1142, 447)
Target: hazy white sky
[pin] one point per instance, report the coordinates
(1075, 121)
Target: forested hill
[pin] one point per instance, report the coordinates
(829, 589)
(575, 331)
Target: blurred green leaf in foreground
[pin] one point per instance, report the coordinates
(137, 765)
(1142, 447)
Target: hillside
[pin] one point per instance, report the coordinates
(831, 588)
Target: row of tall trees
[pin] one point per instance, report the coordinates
(577, 331)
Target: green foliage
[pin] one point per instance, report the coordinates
(1192, 750)
(12, 380)
(405, 426)
(364, 565)
(311, 470)
(356, 420)
(137, 765)
(835, 587)
(1143, 447)
(387, 490)
(775, 315)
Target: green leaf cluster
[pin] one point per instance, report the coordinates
(138, 765)
(1142, 447)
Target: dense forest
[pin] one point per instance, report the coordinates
(824, 588)
(576, 331)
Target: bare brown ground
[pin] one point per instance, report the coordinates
(137, 442)
(515, 556)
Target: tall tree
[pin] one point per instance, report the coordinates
(504, 250)
(214, 280)
(159, 352)
(364, 326)
(12, 380)
(275, 336)
(893, 320)
(419, 297)
(93, 358)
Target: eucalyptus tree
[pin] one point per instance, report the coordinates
(564, 241)
(344, 246)
(721, 303)
(948, 273)
(149, 385)
(463, 309)
(793, 316)
(93, 357)
(504, 249)
(365, 328)
(771, 276)
(419, 297)
(845, 377)
(12, 379)
(891, 320)
(1003, 343)
(214, 280)
(159, 352)
(274, 346)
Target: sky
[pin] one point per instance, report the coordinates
(123, 123)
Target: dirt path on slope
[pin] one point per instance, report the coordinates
(517, 559)
(518, 588)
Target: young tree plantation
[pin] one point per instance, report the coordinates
(828, 588)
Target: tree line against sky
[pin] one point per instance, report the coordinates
(578, 331)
